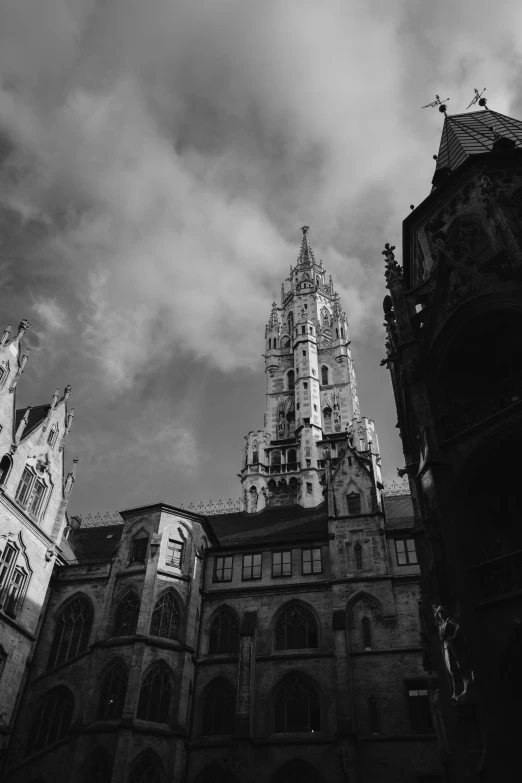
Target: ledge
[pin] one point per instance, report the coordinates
(386, 651)
(8, 620)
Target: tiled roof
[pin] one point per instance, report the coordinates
(36, 415)
(398, 507)
(470, 134)
(93, 543)
(270, 525)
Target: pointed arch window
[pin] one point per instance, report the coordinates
(291, 380)
(146, 769)
(98, 768)
(297, 706)
(296, 771)
(71, 632)
(166, 617)
(5, 467)
(126, 615)
(223, 634)
(52, 721)
(374, 722)
(354, 503)
(139, 548)
(112, 692)
(366, 633)
(155, 695)
(358, 556)
(296, 629)
(325, 380)
(218, 709)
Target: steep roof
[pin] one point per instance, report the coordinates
(473, 133)
(92, 543)
(398, 507)
(270, 525)
(36, 415)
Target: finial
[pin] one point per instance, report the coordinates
(305, 229)
(435, 157)
(55, 397)
(22, 327)
(442, 106)
(5, 335)
(67, 391)
(411, 206)
(478, 97)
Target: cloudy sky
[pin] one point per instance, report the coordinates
(158, 158)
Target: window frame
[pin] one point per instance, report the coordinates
(281, 552)
(222, 568)
(173, 562)
(138, 541)
(158, 670)
(15, 578)
(354, 496)
(419, 684)
(62, 631)
(406, 552)
(25, 499)
(253, 565)
(320, 559)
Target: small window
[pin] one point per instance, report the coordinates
(255, 457)
(374, 723)
(405, 550)
(354, 503)
(311, 560)
(305, 385)
(37, 496)
(222, 569)
(358, 556)
(139, 549)
(24, 487)
(251, 567)
(291, 380)
(366, 633)
(419, 706)
(174, 553)
(315, 407)
(309, 488)
(324, 376)
(281, 563)
(303, 329)
(304, 353)
(269, 343)
(53, 434)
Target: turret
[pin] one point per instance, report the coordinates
(273, 341)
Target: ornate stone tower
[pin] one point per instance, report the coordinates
(312, 408)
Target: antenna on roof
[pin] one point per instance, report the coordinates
(442, 106)
(478, 97)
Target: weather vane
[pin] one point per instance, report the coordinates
(478, 97)
(442, 106)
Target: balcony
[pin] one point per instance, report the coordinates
(499, 578)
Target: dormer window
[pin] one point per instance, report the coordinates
(53, 434)
(139, 549)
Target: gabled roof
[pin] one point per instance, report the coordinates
(271, 525)
(474, 133)
(92, 543)
(36, 415)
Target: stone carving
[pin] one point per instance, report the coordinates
(392, 268)
(253, 500)
(454, 653)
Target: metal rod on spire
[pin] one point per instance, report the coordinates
(442, 106)
(478, 97)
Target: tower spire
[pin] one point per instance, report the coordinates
(306, 254)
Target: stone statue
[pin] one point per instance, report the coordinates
(454, 653)
(281, 428)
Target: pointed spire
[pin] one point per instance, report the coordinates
(69, 481)
(306, 254)
(282, 293)
(5, 335)
(23, 424)
(273, 321)
(55, 398)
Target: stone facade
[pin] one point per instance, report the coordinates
(453, 318)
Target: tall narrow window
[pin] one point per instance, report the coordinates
(6, 464)
(251, 567)
(155, 693)
(291, 458)
(223, 634)
(324, 376)
(311, 560)
(71, 632)
(419, 705)
(37, 496)
(222, 569)
(139, 548)
(218, 710)
(174, 555)
(24, 487)
(126, 615)
(146, 769)
(358, 556)
(52, 721)
(276, 458)
(297, 707)
(373, 716)
(7, 561)
(112, 692)
(327, 420)
(282, 563)
(53, 434)
(14, 591)
(165, 617)
(405, 550)
(296, 629)
(366, 633)
(255, 453)
(354, 503)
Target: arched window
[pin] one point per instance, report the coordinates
(337, 333)
(5, 466)
(296, 771)
(213, 773)
(112, 692)
(276, 458)
(354, 503)
(296, 629)
(358, 555)
(296, 706)
(224, 633)
(218, 709)
(138, 551)
(269, 343)
(53, 719)
(366, 633)
(324, 376)
(285, 342)
(126, 615)
(146, 769)
(255, 453)
(165, 617)
(327, 419)
(374, 723)
(469, 243)
(155, 694)
(98, 768)
(291, 380)
(71, 632)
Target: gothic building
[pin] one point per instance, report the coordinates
(454, 350)
(279, 643)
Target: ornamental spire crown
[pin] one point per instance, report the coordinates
(306, 254)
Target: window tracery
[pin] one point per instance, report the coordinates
(52, 721)
(166, 617)
(126, 615)
(72, 631)
(112, 692)
(224, 633)
(155, 695)
(297, 706)
(218, 709)
(146, 769)
(296, 629)
(469, 244)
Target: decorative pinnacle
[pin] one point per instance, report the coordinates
(305, 229)
(306, 255)
(478, 97)
(442, 106)
(273, 321)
